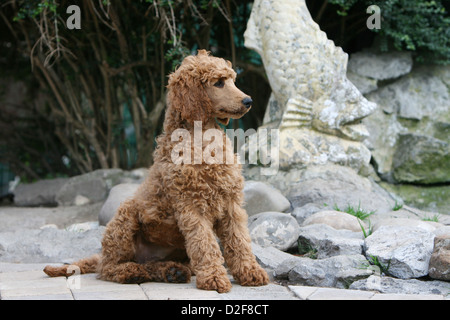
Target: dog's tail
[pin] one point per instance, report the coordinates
(88, 265)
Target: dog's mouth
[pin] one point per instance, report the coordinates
(223, 121)
(224, 116)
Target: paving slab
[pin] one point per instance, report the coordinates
(88, 287)
(303, 292)
(29, 282)
(18, 267)
(32, 285)
(315, 293)
(391, 296)
(340, 294)
(64, 296)
(269, 292)
(189, 291)
(177, 291)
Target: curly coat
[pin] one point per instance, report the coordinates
(167, 231)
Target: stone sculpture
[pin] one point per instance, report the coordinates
(317, 109)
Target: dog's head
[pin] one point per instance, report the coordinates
(203, 88)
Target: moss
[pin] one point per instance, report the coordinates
(431, 198)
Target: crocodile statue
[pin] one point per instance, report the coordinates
(316, 108)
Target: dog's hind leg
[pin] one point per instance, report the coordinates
(120, 256)
(118, 246)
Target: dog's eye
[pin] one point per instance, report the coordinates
(219, 84)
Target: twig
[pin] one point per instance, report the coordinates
(321, 11)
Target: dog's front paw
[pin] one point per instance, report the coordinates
(252, 276)
(216, 280)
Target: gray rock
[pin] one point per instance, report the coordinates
(384, 130)
(421, 94)
(83, 227)
(440, 259)
(338, 271)
(337, 185)
(274, 229)
(302, 213)
(261, 197)
(364, 84)
(405, 212)
(117, 195)
(381, 66)
(16, 218)
(421, 159)
(49, 245)
(336, 219)
(404, 251)
(330, 242)
(40, 193)
(93, 186)
(442, 231)
(136, 176)
(399, 286)
(403, 222)
(414, 115)
(270, 258)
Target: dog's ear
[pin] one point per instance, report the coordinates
(188, 96)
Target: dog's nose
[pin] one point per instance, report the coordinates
(247, 102)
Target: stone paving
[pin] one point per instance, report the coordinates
(28, 282)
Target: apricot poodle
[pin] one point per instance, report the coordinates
(167, 231)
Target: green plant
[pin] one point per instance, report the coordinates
(357, 212)
(397, 206)
(373, 260)
(305, 249)
(434, 218)
(369, 229)
(97, 95)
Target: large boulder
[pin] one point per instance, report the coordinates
(333, 185)
(399, 286)
(270, 257)
(40, 193)
(380, 66)
(19, 218)
(117, 195)
(335, 219)
(91, 187)
(262, 197)
(409, 131)
(403, 252)
(49, 245)
(329, 242)
(274, 229)
(421, 159)
(337, 271)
